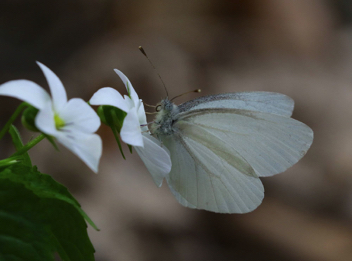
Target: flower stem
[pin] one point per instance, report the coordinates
(12, 119)
(29, 145)
(9, 161)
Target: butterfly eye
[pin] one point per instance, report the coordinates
(158, 108)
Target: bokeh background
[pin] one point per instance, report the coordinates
(301, 48)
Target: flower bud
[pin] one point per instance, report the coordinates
(28, 118)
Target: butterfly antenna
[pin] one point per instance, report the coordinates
(145, 54)
(148, 123)
(153, 106)
(198, 90)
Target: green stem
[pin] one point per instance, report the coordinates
(12, 119)
(9, 161)
(29, 145)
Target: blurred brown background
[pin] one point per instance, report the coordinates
(301, 48)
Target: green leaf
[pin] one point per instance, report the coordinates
(23, 236)
(17, 142)
(43, 218)
(45, 186)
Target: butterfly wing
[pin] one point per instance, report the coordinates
(201, 179)
(270, 102)
(269, 143)
(218, 153)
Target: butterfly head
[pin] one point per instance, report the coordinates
(167, 115)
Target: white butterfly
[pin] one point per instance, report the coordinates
(220, 145)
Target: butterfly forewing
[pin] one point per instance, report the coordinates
(269, 143)
(270, 102)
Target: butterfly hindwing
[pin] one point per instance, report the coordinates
(199, 178)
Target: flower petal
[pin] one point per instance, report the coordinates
(57, 89)
(131, 92)
(78, 115)
(88, 147)
(109, 96)
(131, 131)
(27, 91)
(155, 157)
(129, 102)
(141, 114)
(44, 120)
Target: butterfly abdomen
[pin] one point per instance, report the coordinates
(165, 119)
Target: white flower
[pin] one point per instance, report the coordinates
(71, 122)
(134, 130)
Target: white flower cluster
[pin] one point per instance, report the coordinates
(73, 122)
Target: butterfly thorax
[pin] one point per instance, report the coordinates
(166, 117)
